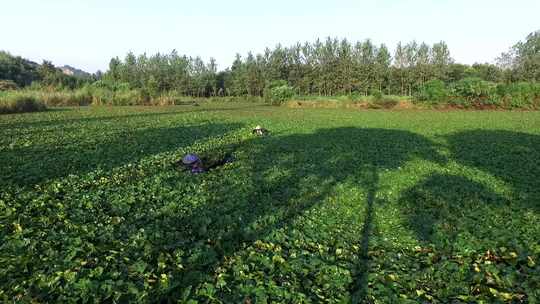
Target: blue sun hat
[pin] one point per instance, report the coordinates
(190, 159)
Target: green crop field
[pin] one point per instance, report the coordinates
(335, 206)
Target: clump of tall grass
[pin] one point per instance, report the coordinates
(63, 98)
(19, 102)
(374, 101)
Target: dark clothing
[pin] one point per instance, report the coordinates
(209, 162)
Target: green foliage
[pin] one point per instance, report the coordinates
(160, 73)
(336, 207)
(377, 95)
(332, 67)
(63, 98)
(473, 91)
(487, 72)
(25, 73)
(115, 93)
(519, 95)
(16, 102)
(522, 61)
(54, 98)
(476, 92)
(17, 69)
(473, 88)
(433, 91)
(278, 92)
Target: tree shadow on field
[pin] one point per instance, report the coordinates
(289, 175)
(461, 222)
(27, 166)
(458, 216)
(452, 212)
(189, 227)
(513, 157)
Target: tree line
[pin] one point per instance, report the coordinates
(329, 67)
(323, 67)
(320, 68)
(165, 72)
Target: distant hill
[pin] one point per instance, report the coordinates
(17, 69)
(69, 70)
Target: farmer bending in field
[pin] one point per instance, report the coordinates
(258, 130)
(196, 165)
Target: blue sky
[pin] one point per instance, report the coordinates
(86, 34)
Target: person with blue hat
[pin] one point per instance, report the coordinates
(196, 164)
(193, 163)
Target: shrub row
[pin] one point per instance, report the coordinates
(114, 94)
(466, 93)
(475, 92)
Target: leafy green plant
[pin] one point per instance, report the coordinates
(377, 95)
(474, 91)
(336, 206)
(434, 92)
(519, 95)
(278, 92)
